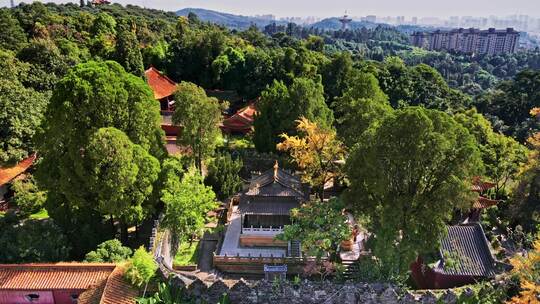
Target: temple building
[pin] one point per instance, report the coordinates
(164, 88)
(65, 283)
(465, 258)
(261, 213)
(240, 122)
(482, 202)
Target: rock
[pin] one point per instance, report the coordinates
(216, 291)
(408, 298)
(197, 288)
(428, 298)
(449, 297)
(389, 296)
(320, 294)
(467, 293)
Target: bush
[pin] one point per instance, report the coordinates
(223, 175)
(110, 251)
(141, 268)
(28, 197)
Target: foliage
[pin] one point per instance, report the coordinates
(187, 201)
(527, 269)
(223, 175)
(166, 294)
(199, 116)
(280, 107)
(409, 197)
(128, 52)
(362, 104)
(110, 251)
(316, 151)
(188, 254)
(20, 117)
(141, 268)
(12, 36)
(28, 197)
(31, 241)
(319, 226)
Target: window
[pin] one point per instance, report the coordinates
(32, 297)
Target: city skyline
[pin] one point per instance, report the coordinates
(380, 8)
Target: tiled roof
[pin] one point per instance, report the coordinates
(58, 276)
(468, 249)
(8, 174)
(483, 202)
(162, 85)
(117, 290)
(264, 208)
(276, 182)
(242, 120)
(480, 186)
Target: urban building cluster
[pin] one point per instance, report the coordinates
(490, 41)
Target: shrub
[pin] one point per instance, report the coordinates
(141, 268)
(110, 251)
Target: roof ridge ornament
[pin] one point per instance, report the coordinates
(276, 167)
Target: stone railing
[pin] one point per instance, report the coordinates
(271, 231)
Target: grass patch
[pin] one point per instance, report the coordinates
(187, 255)
(41, 215)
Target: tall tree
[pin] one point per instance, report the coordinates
(280, 107)
(361, 105)
(199, 116)
(12, 36)
(128, 52)
(187, 201)
(94, 96)
(316, 151)
(408, 175)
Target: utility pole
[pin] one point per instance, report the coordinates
(345, 20)
(12, 3)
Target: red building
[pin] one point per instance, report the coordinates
(481, 202)
(164, 88)
(240, 122)
(465, 258)
(64, 283)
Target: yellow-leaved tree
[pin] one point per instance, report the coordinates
(316, 151)
(527, 269)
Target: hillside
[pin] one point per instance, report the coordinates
(226, 19)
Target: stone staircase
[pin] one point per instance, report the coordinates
(294, 249)
(351, 269)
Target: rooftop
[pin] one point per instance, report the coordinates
(162, 85)
(9, 173)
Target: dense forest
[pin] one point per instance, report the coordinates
(72, 89)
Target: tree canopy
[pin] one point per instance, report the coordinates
(409, 196)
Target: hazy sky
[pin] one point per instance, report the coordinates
(420, 8)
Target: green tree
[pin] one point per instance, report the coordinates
(110, 251)
(199, 116)
(12, 36)
(187, 201)
(94, 96)
(223, 175)
(280, 107)
(408, 175)
(20, 117)
(25, 242)
(361, 105)
(128, 52)
(319, 226)
(141, 269)
(337, 76)
(27, 196)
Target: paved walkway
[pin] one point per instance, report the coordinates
(231, 246)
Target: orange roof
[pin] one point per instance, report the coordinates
(479, 186)
(102, 283)
(162, 85)
(58, 276)
(8, 174)
(242, 119)
(483, 202)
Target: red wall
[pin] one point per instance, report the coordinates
(427, 278)
(45, 297)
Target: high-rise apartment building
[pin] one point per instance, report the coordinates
(471, 40)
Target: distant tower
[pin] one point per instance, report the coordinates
(12, 3)
(345, 20)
